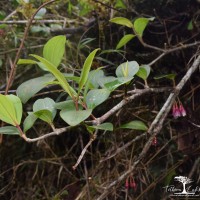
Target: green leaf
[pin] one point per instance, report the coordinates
(168, 76)
(26, 61)
(93, 78)
(104, 80)
(40, 13)
(111, 86)
(105, 126)
(127, 69)
(17, 105)
(122, 21)
(59, 76)
(9, 130)
(140, 25)
(68, 105)
(136, 125)
(38, 28)
(125, 40)
(29, 61)
(45, 104)
(96, 97)
(29, 121)
(86, 69)
(190, 26)
(54, 50)
(29, 88)
(71, 77)
(44, 115)
(169, 176)
(7, 110)
(73, 117)
(120, 4)
(144, 72)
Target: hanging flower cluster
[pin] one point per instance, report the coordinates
(130, 183)
(154, 141)
(178, 110)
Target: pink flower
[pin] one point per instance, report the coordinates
(176, 111)
(154, 141)
(133, 184)
(182, 110)
(127, 183)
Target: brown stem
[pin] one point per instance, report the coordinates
(85, 149)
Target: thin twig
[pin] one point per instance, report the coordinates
(85, 149)
(168, 51)
(56, 132)
(33, 21)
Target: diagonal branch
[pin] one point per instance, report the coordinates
(135, 93)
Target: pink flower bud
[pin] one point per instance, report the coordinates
(127, 184)
(176, 111)
(133, 184)
(154, 141)
(182, 110)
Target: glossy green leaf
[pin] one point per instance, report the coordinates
(111, 86)
(73, 117)
(26, 61)
(135, 125)
(94, 77)
(140, 25)
(144, 72)
(42, 66)
(29, 88)
(105, 126)
(104, 80)
(71, 77)
(127, 69)
(17, 105)
(40, 13)
(68, 105)
(29, 121)
(9, 130)
(59, 76)
(96, 97)
(86, 69)
(7, 110)
(44, 115)
(122, 21)
(45, 104)
(54, 50)
(120, 4)
(168, 76)
(125, 40)
(29, 61)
